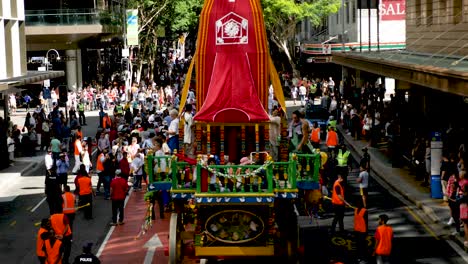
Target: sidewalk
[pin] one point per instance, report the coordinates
(400, 181)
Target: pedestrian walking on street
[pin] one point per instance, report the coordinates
(339, 204)
(360, 230)
(52, 186)
(363, 180)
(119, 188)
(87, 257)
(86, 193)
(61, 226)
(383, 240)
(137, 167)
(77, 152)
(62, 169)
(81, 115)
(40, 252)
(68, 205)
(109, 172)
(53, 248)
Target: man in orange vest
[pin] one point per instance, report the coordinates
(339, 203)
(86, 195)
(45, 228)
(332, 140)
(315, 135)
(53, 248)
(77, 152)
(106, 122)
(383, 240)
(100, 169)
(68, 205)
(62, 230)
(360, 229)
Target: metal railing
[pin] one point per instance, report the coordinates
(87, 16)
(270, 177)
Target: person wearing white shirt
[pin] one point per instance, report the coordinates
(173, 131)
(363, 180)
(137, 167)
(11, 147)
(275, 124)
(188, 129)
(302, 94)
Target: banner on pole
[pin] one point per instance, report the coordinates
(132, 27)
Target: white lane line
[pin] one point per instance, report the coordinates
(457, 249)
(39, 204)
(109, 233)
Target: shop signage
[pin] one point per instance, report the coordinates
(132, 27)
(392, 9)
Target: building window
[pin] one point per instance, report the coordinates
(353, 10)
(347, 12)
(457, 11)
(442, 12)
(428, 13)
(417, 5)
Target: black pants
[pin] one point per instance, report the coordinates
(88, 210)
(71, 219)
(42, 259)
(117, 207)
(455, 210)
(81, 118)
(338, 218)
(100, 181)
(157, 198)
(67, 243)
(361, 244)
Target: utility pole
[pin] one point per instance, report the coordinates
(342, 25)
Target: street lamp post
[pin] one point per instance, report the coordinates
(46, 59)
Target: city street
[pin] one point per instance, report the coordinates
(416, 239)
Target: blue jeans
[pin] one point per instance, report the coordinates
(107, 180)
(173, 143)
(137, 181)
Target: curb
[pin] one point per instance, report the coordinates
(29, 166)
(376, 173)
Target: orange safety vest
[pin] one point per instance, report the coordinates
(77, 148)
(106, 120)
(84, 185)
(56, 221)
(332, 139)
(68, 204)
(359, 221)
(53, 252)
(315, 135)
(335, 199)
(384, 243)
(40, 243)
(99, 164)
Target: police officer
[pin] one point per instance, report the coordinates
(81, 116)
(52, 187)
(119, 110)
(87, 256)
(343, 163)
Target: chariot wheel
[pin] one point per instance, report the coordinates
(175, 249)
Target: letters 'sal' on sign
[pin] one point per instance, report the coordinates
(132, 27)
(392, 9)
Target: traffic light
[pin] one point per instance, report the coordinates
(63, 93)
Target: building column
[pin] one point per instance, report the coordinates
(79, 70)
(71, 69)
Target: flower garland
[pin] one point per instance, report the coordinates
(148, 222)
(232, 176)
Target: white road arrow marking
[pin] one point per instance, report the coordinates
(152, 245)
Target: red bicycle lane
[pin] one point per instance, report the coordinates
(124, 246)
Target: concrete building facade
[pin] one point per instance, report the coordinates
(12, 40)
(438, 26)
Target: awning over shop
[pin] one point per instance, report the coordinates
(30, 77)
(441, 73)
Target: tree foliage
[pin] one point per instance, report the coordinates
(282, 16)
(185, 15)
